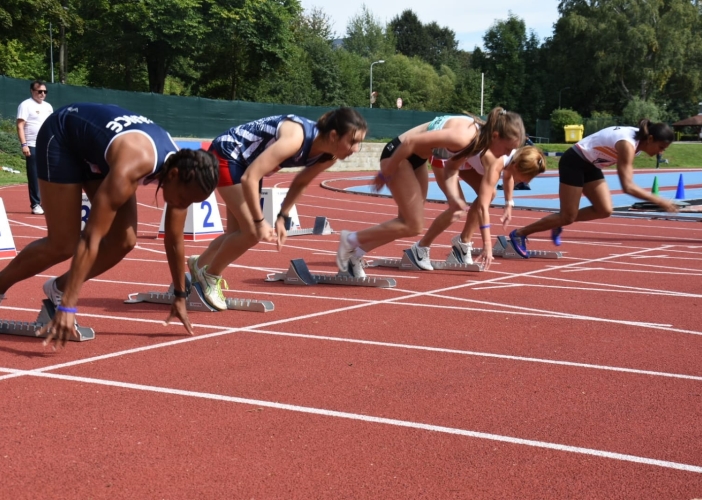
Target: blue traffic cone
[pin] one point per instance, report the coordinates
(680, 193)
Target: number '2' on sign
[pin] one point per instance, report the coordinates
(84, 211)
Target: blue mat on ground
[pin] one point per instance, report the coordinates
(544, 186)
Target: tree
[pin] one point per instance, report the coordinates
(366, 37)
(246, 44)
(411, 39)
(505, 44)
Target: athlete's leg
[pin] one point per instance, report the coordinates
(408, 190)
(213, 248)
(598, 194)
(62, 207)
(473, 179)
(445, 218)
(240, 236)
(119, 240)
(569, 197)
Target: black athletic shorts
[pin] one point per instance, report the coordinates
(390, 147)
(574, 170)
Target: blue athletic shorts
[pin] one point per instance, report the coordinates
(56, 161)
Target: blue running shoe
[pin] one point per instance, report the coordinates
(519, 244)
(556, 235)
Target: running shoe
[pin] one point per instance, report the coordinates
(519, 244)
(556, 235)
(192, 265)
(421, 257)
(345, 251)
(355, 266)
(53, 293)
(37, 210)
(462, 251)
(211, 287)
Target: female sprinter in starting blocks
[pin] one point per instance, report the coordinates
(106, 151)
(482, 173)
(403, 168)
(580, 172)
(253, 150)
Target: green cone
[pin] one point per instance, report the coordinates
(654, 189)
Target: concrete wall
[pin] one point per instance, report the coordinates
(368, 158)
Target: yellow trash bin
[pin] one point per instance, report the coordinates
(573, 133)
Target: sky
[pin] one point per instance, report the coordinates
(469, 20)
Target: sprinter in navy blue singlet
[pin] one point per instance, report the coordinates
(106, 151)
(76, 139)
(253, 150)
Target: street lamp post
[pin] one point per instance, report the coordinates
(371, 80)
(559, 96)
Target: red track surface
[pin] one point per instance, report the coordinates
(576, 378)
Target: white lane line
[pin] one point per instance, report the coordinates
(495, 287)
(635, 271)
(41, 228)
(378, 420)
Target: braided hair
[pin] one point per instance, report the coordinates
(194, 165)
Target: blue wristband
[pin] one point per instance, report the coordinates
(486, 226)
(67, 309)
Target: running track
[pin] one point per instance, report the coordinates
(576, 378)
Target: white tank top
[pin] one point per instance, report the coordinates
(474, 163)
(599, 149)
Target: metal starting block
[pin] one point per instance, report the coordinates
(321, 227)
(299, 274)
(503, 248)
(196, 302)
(408, 263)
(29, 329)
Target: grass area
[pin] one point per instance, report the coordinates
(678, 156)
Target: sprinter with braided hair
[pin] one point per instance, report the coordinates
(106, 151)
(580, 172)
(253, 150)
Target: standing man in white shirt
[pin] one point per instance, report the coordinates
(30, 116)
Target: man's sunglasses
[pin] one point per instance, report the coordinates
(41, 91)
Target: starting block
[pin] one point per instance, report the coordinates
(299, 274)
(321, 227)
(503, 248)
(408, 263)
(29, 329)
(196, 302)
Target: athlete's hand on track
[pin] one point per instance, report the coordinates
(379, 182)
(59, 329)
(667, 205)
(179, 310)
(485, 258)
(281, 232)
(459, 207)
(506, 217)
(265, 232)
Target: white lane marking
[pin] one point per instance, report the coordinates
(378, 420)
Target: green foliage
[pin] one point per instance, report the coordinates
(561, 118)
(638, 109)
(367, 37)
(19, 61)
(599, 121)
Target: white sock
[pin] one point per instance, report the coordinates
(352, 238)
(359, 252)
